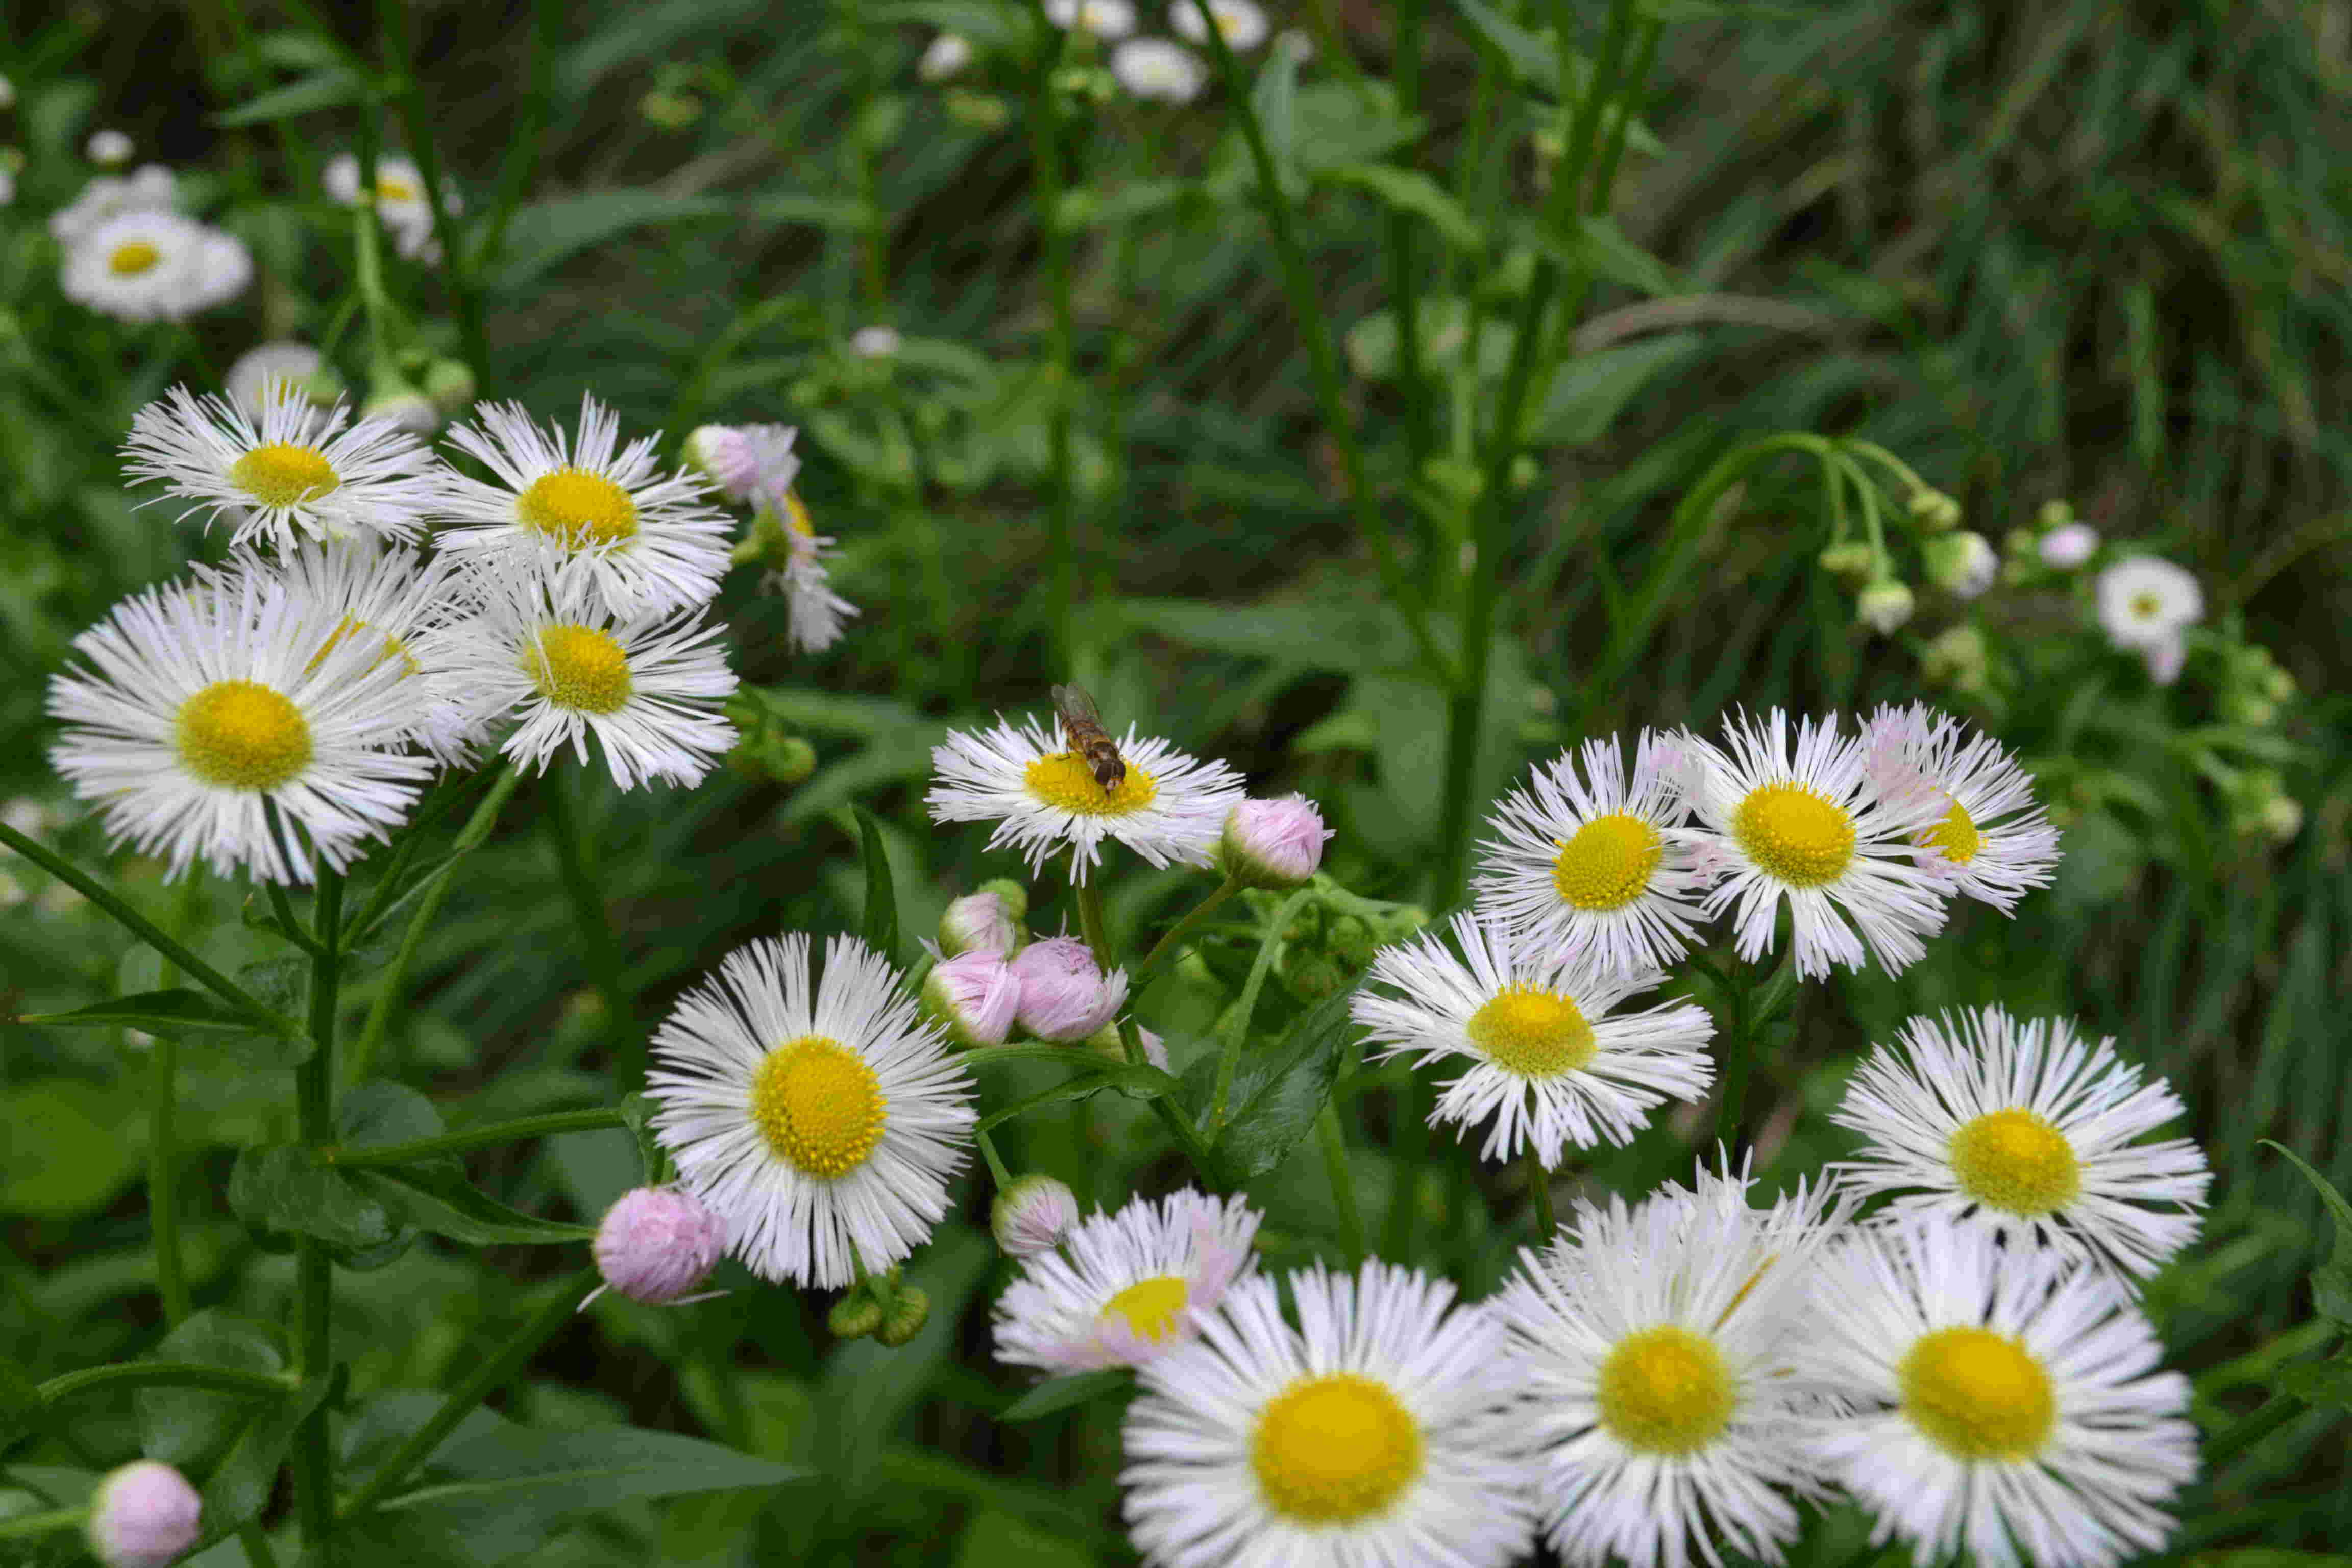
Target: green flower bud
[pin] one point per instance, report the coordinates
(1883, 605)
(2055, 513)
(1015, 895)
(1848, 561)
(1350, 940)
(904, 1317)
(1312, 976)
(856, 1315)
(1934, 511)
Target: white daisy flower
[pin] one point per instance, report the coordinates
(544, 646)
(1041, 794)
(294, 473)
(2023, 1129)
(1654, 1347)
(1548, 1065)
(109, 148)
(1242, 24)
(1126, 1287)
(1155, 69)
(1814, 828)
(2002, 1405)
(878, 341)
(820, 1120)
(400, 199)
(272, 373)
(200, 705)
(654, 545)
(1380, 1433)
(150, 189)
(1992, 843)
(813, 613)
(1599, 861)
(1103, 19)
(2145, 604)
(152, 266)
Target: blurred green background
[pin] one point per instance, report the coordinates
(2057, 249)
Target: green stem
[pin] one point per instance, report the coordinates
(1334, 1140)
(1088, 898)
(995, 1164)
(1047, 181)
(397, 44)
(1169, 945)
(1540, 1193)
(1237, 1027)
(1731, 1093)
(314, 1475)
(545, 1125)
(1410, 1138)
(256, 1547)
(27, 1525)
(163, 1178)
(522, 161)
(166, 1375)
(563, 825)
(491, 1372)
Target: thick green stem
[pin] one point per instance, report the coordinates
(564, 827)
(1048, 180)
(1172, 944)
(1334, 1142)
(1539, 1194)
(1237, 1025)
(486, 1137)
(314, 1080)
(25, 1526)
(996, 1171)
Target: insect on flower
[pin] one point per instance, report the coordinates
(1084, 726)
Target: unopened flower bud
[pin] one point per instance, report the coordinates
(2282, 817)
(1106, 1042)
(1958, 655)
(1883, 605)
(109, 148)
(1033, 1215)
(904, 1317)
(1312, 976)
(144, 1515)
(980, 922)
(1850, 561)
(658, 1244)
(1015, 895)
(1349, 940)
(2067, 546)
(947, 54)
(1273, 844)
(855, 1316)
(974, 996)
(877, 341)
(450, 385)
(745, 462)
(2278, 685)
(277, 372)
(2055, 513)
(1962, 564)
(396, 402)
(1065, 995)
(1934, 511)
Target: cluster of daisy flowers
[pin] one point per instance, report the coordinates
(383, 616)
(1152, 69)
(131, 252)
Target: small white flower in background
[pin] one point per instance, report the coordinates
(945, 56)
(2022, 1128)
(876, 341)
(1810, 826)
(2068, 545)
(1033, 1216)
(2146, 604)
(1168, 808)
(12, 892)
(1125, 1287)
(657, 1245)
(1962, 564)
(400, 200)
(1993, 1399)
(1588, 856)
(1885, 606)
(1158, 70)
(1294, 43)
(984, 922)
(109, 148)
(33, 818)
(545, 646)
(279, 372)
(747, 462)
(1380, 1433)
(1992, 842)
(1065, 994)
(1103, 19)
(7, 185)
(295, 473)
(150, 189)
(821, 1119)
(813, 613)
(974, 997)
(1550, 1067)
(1242, 23)
(199, 704)
(144, 1515)
(1273, 844)
(1654, 1347)
(153, 266)
(649, 543)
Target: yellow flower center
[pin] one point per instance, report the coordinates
(1335, 1449)
(2015, 1160)
(1665, 1391)
(578, 510)
(2146, 605)
(284, 475)
(796, 515)
(130, 260)
(1532, 1032)
(1067, 780)
(579, 667)
(1957, 835)
(1607, 864)
(394, 647)
(1795, 833)
(819, 1105)
(240, 734)
(393, 188)
(1150, 1306)
(1978, 1394)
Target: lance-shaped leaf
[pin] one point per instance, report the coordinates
(441, 1201)
(1062, 1393)
(1277, 1093)
(881, 924)
(186, 1427)
(282, 1188)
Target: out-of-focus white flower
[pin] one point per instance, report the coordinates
(747, 462)
(150, 189)
(876, 341)
(943, 57)
(1241, 23)
(109, 148)
(270, 373)
(2068, 545)
(400, 200)
(2146, 604)
(1103, 19)
(154, 266)
(1155, 69)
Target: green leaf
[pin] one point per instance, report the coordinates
(994, 1539)
(1276, 1093)
(1083, 1088)
(175, 1013)
(1599, 244)
(2331, 1282)
(1593, 389)
(441, 1201)
(2328, 1382)
(330, 89)
(283, 1188)
(67, 1147)
(1531, 55)
(240, 1486)
(881, 921)
(1061, 1393)
(546, 234)
(377, 1112)
(638, 1115)
(1274, 100)
(1410, 190)
(186, 1427)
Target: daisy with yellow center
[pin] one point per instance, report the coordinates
(813, 613)
(1381, 1430)
(1991, 843)
(2023, 1129)
(1551, 1065)
(151, 263)
(1125, 1287)
(542, 647)
(819, 1119)
(1992, 1401)
(400, 201)
(1588, 856)
(1809, 825)
(196, 707)
(1240, 23)
(1041, 794)
(651, 544)
(1655, 1346)
(1103, 19)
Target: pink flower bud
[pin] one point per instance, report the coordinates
(658, 1244)
(1033, 1215)
(973, 996)
(980, 922)
(744, 460)
(1065, 996)
(144, 1515)
(2068, 544)
(1274, 844)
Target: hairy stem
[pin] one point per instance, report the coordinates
(588, 912)
(314, 1475)
(1172, 944)
(1334, 1142)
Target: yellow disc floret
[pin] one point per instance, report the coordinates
(241, 735)
(819, 1105)
(796, 515)
(1978, 1394)
(1794, 832)
(1607, 863)
(1149, 1307)
(579, 667)
(282, 474)
(130, 260)
(1067, 780)
(1956, 836)
(1335, 1449)
(393, 188)
(2016, 1160)
(1532, 1032)
(1666, 1390)
(578, 510)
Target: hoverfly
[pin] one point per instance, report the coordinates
(1088, 739)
